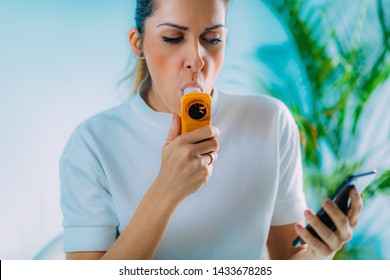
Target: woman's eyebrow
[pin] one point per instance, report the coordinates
(185, 28)
(214, 27)
(174, 25)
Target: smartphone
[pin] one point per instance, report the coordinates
(341, 197)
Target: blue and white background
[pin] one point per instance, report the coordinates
(60, 62)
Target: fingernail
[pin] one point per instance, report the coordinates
(328, 203)
(307, 213)
(298, 226)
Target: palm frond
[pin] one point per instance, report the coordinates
(380, 185)
(340, 62)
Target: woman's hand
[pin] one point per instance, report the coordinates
(187, 160)
(332, 241)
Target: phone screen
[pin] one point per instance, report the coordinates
(341, 198)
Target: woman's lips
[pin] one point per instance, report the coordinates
(192, 84)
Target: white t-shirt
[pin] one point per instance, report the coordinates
(112, 159)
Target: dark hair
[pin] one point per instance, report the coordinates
(145, 9)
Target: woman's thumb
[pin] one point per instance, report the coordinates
(175, 129)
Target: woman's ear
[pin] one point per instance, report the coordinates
(135, 42)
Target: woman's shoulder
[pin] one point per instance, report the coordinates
(104, 119)
(259, 111)
(99, 126)
(257, 103)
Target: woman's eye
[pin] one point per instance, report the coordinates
(212, 41)
(170, 40)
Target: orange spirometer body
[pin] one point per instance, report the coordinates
(195, 110)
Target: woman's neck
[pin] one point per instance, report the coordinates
(150, 96)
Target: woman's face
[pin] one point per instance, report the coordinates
(184, 45)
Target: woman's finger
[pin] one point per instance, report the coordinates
(314, 243)
(356, 207)
(210, 158)
(341, 221)
(325, 233)
(204, 147)
(200, 134)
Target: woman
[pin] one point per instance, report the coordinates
(133, 187)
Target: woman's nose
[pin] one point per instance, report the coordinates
(194, 59)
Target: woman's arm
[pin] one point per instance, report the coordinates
(279, 242)
(184, 169)
(281, 237)
(84, 255)
(143, 234)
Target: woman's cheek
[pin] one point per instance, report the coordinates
(165, 60)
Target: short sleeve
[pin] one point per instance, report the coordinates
(290, 200)
(89, 220)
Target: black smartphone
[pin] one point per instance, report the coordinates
(341, 197)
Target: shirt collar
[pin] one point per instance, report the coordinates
(161, 120)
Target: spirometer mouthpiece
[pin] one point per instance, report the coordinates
(191, 89)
